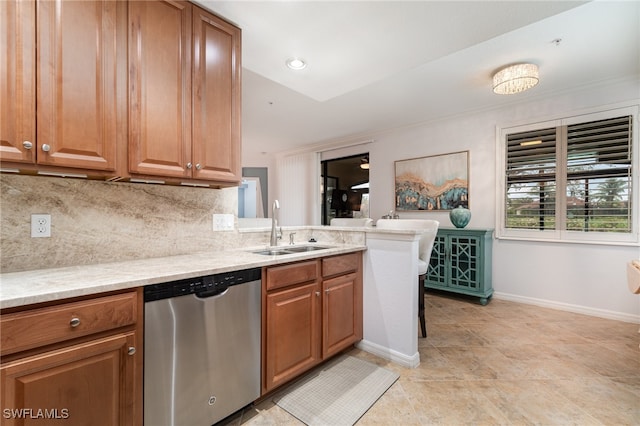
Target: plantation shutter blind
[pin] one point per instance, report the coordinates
(531, 179)
(599, 177)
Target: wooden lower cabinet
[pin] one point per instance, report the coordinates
(339, 328)
(93, 379)
(312, 310)
(86, 384)
(293, 333)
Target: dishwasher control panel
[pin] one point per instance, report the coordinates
(204, 286)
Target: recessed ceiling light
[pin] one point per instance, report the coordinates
(296, 63)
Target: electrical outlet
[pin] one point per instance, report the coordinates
(223, 222)
(40, 225)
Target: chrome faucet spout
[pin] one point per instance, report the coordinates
(274, 223)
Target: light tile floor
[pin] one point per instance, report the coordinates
(504, 363)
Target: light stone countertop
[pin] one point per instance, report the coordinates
(44, 285)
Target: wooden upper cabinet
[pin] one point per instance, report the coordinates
(89, 84)
(160, 88)
(76, 84)
(216, 98)
(184, 77)
(69, 79)
(17, 81)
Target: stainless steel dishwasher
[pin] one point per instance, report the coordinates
(202, 348)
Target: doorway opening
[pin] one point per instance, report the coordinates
(345, 187)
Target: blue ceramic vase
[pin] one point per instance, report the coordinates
(460, 216)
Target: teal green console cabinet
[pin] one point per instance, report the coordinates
(461, 262)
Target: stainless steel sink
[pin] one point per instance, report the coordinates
(280, 251)
(300, 249)
(271, 252)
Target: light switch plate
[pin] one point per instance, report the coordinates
(223, 222)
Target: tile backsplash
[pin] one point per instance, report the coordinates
(96, 221)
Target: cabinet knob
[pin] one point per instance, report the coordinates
(131, 350)
(46, 147)
(327, 291)
(198, 166)
(74, 322)
(318, 293)
(27, 144)
(189, 166)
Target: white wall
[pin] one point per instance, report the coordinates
(578, 277)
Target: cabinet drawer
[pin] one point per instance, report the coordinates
(290, 274)
(38, 327)
(339, 264)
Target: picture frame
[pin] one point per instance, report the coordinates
(433, 183)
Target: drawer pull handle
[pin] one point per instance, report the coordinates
(74, 322)
(132, 350)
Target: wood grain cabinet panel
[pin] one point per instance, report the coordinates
(76, 84)
(17, 80)
(87, 384)
(184, 68)
(83, 373)
(339, 329)
(59, 70)
(160, 88)
(308, 318)
(291, 274)
(216, 98)
(292, 333)
(66, 321)
(343, 264)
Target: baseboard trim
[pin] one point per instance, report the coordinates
(390, 354)
(594, 312)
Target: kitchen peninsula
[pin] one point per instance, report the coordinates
(91, 319)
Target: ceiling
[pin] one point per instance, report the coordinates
(377, 65)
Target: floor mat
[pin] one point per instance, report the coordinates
(338, 393)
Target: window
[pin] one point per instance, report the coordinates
(571, 180)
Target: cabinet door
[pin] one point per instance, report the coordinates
(438, 266)
(216, 98)
(17, 80)
(292, 333)
(465, 263)
(85, 384)
(339, 322)
(76, 84)
(160, 88)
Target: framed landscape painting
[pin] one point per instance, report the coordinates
(435, 183)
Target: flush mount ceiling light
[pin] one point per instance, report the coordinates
(515, 79)
(296, 63)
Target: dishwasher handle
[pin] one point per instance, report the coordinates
(217, 291)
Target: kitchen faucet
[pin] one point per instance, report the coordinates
(275, 236)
